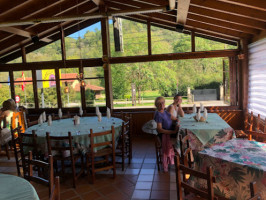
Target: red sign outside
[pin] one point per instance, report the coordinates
(17, 98)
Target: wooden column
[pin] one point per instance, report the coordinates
(23, 55)
(106, 53)
(232, 73)
(35, 92)
(149, 37)
(193, 41)
(58, 91)
(12, 86)
(82, 89)
(239, 84)
(63, 49)
(245, 73)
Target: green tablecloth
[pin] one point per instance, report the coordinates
(16, 188)
(204, 131)
(79, 132)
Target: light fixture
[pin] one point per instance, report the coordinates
(81, 80)
(179, 28)
(66, 89)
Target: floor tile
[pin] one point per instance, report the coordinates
(161, 186)
(148, 166)
(143, 185)
(132, 171)
(160, 195)
(147, 171)
(144, 177)
(141, 194)
(91, 196)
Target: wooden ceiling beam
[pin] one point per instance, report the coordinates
(8, 6)
(231, 9)
(23, 33)
(227, 17)
(217, 29)
(255, 4)
(182, 11)
(165, 24)
(156, 2)
(174, 56)
(224, 24)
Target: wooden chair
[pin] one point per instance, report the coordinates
(18, 117)
(102, 153)
(256, 135)
(31, 123)
(209, 194)
(248, 126)
(16, 146)
(128, 137)
(48, 180)
(122, 149)
(158, 151)
(55, 194)
(59, 145)
(3, 126)
(253, 192)
(184, 145)
(28, 142)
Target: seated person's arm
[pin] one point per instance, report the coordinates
(170, 109)
(180, 111)
(161, 130)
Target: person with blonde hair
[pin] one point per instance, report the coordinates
(166, 127)
(175, 108)
(8, 107)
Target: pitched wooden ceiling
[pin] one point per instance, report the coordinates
(221, 20)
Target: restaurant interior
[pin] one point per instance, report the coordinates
(55, 149)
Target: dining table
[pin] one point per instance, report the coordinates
(205, 134)
(80, 132)
(235, 164)
(16, 188)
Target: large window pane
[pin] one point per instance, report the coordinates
(202, 44)
(47, 53)
(72, 98)
(166, 41)
(5, 92)
(93, 72)
(95, 92)
(24, 88)
(138, 84)
(86, 43)
(46, 88)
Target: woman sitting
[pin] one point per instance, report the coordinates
(9, 106)
(175, 108)
(166, 127)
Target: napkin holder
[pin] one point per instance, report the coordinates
(202, 119)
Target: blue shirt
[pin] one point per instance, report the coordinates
(165, 119)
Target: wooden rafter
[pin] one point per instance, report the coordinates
(227, 17)
(231, 9)
(182, 11)
(23, 33)
(9, 6)
(255, 4)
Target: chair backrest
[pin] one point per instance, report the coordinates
(249, 121)
(55, 194)
(58, 144)
(18, 117)
(47, 167)
(184, 144)
(209, 194)
(93, 138)
(256, 135)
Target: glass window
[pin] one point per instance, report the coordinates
(138, 84)
(47, 53)
(202, 44)
(46, 88)
(24, 88)
(17, 60)
(166, 41)
(85, 43)
(135, 40)
(95, 86)
(70, 87)
(4, 87)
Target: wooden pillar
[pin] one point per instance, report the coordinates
(63, 49)
(149, 37)
(232, 73)
(82, 89)
(58, 91)
(245, 74)
(193, 41)
(35, 92)
(23, 55)
(106, 53)
(239, 84)
(12, 86)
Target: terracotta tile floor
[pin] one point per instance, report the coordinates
(139, 180)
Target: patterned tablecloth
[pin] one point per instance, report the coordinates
(14, 188)
(236, 163)
(79, 132)
(205, 134)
